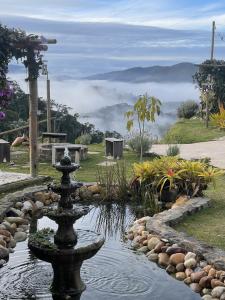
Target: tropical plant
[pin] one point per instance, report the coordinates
(218, 119)
(187, 109)
(173, 150)
(144, 110)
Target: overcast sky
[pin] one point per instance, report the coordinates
(97, 36)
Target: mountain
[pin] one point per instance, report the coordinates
(181, 72)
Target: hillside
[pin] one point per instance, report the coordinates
(181, 72)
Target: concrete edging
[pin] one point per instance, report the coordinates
(160, 224)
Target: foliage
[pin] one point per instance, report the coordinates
(216, 70)
(184, 132)
(188, 177)
(218, 119)
(97, 136)
(187, 109)
(84, 139)
(145, 110)
(113, 134)
(137, 145)
(173, 150)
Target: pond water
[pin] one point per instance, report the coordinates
(115, 273)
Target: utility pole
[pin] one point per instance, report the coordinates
(45, 72)
(213, 40)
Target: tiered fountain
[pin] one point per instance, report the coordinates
(62, 248)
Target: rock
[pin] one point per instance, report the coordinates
(39, 196)
(180, 276)
(95, 189)
(176, 258)
(54, 197)
(24, 227)
(190, 263)
(216, 282)
(203, 263)
(17, 220)
(195, 287)
(5, 233)
(96, 197)
(4, 252)
(212, 272)
(145, 243)
(158, 247)
(8, 227)
(18, 205)
(182, 200)
(39, 204)
(12, 243)
(153, 257)
(180, 267)
(140, 229)
(190, 255)
(143, 220)
(13, 212)
(207, 268)
(20, 236)
(14, 226)
(206, 291)
(163, 259)
(218, 291)
(2, 262)
(3, 226)
(130, 236)
(29, 206)
(153, 242)
(207, 297)
(205, 282)
(171, 269)
(3, 243)
(85, 193)
(173, 250)
(187, 280)
(188, 272)
(222, 297)
(143, 249)
(164, 248)
(196, 276)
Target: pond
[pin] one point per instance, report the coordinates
(116, 272)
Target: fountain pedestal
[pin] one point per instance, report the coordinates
(62, 249)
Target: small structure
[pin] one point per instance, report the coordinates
(54, 135)
(114, 147)
(4, 151)
(77, 152)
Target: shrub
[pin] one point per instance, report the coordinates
(97, 137)
(135, 143)
(218, 119)
(173, 150)
(187, 109)
(84, 139)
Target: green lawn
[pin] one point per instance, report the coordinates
(191, 131)
(209, 224)
(87, 171)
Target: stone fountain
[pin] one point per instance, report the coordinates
(61, 248)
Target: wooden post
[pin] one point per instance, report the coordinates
(207, 111)
(49, 125)
(33, 107)
(213, 40)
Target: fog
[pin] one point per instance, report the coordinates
(87, 97)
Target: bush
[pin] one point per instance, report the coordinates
(84, 139)
(173, 150)
(187, 109)
(97, 137)
(218, 119)
(135, 144)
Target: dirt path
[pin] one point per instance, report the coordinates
(213, 149)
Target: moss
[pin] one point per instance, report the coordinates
(42, 239)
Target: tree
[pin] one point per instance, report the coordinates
(215, 70)
(144, 110)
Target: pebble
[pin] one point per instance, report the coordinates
(190, 263)
(39, 204)
(17, 220)
(176, 258)
(218, 291)
(205, 282)
(12, 243)
(173, 250)
(163, 259)
(171, 269)
(180, 276)
(2, 262)
(4, 252)
(158, 247)
(143, 249)
(187, 280)
(153, 257)
(195, 287)
(153, 242)
(216, 282)
(180, 267)
(20, 236)
(196, 276)
(190, 255)
(207, 297)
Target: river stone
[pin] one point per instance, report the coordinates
(190, 263)
(84, 193)
(176, 258)
(180, 276)
(171, 269)
(12, 243)
(18, 205)
(29, 205)
(216, 282)
(195, 287)
(4, 252)
(203, 263)
(13, 212)
(187, 280)
(207, 297)
(190, 255)
(153, 242)
(196, 276)
(8, 227)
(143, 249)
(130, 236)
(2, 262)
(218, 291)
(163, 259)
(5, 233)
(17, 220)
(180, 267)
(172, 250)
(20, 236)
(39, 204)
(212, 272)
(24, 227)
(188, 272)
(205, 282)
(158, 247)
(153, 257)
(3, 243)
(222, 297)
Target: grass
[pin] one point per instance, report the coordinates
(186, 131)
(87, 171)
(208, 225)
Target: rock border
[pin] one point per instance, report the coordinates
(160, 224)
